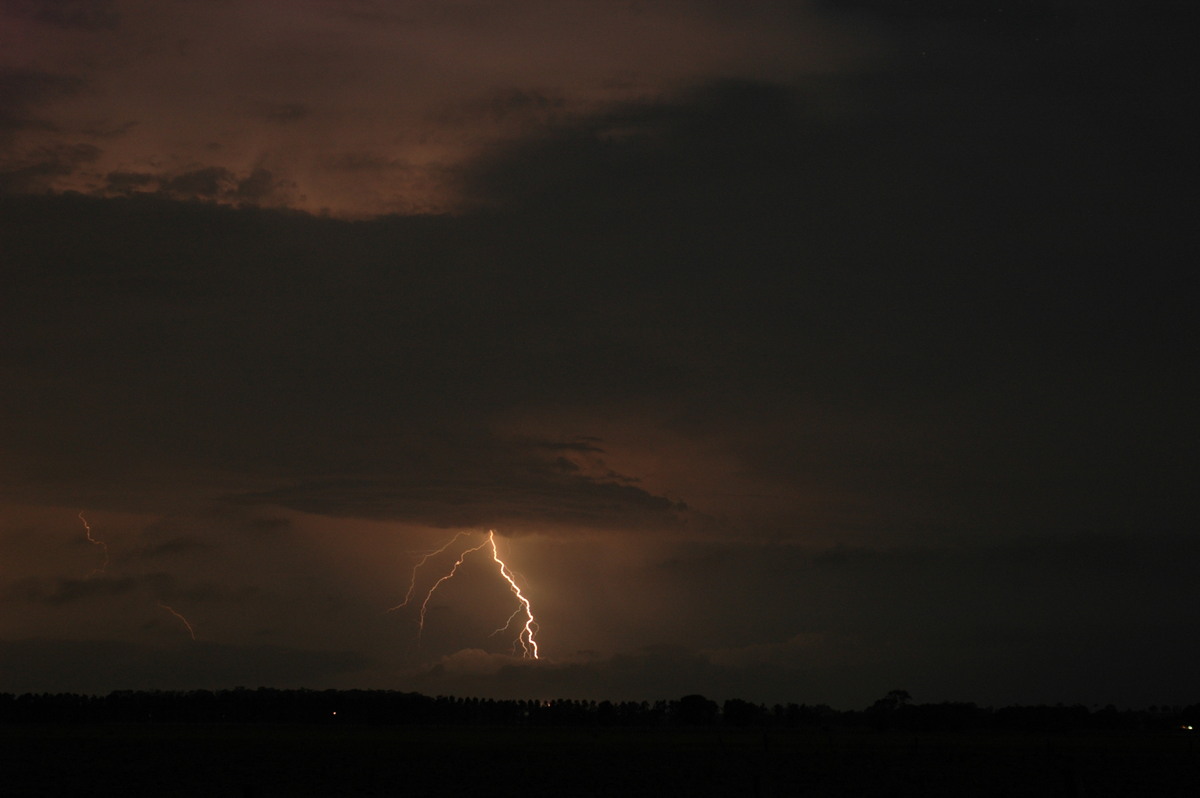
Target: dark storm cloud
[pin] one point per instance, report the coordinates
(32, 169)
(494, 483)
(946, 320)
(942, 275)
(285, 113)
(528, 106)
(112, 665)
(475, 475)
(1116, 59)
(129, 182)
(503, 104)
(365, 162)
(63, 592)
(1020, 18)
(414, 365)
(208, 530)
(671, 160)
(1026, 19)
(212, 183)
(207, 183)
(24, 90)
(175, 547)
(89, 15)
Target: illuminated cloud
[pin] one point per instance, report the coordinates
(204, 96)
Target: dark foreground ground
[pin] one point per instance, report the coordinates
(279, 760)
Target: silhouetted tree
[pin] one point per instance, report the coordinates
(737, 712)
(885, 711)
(696, 710)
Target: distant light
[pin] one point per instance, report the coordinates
(1186, 728)
(334, 713)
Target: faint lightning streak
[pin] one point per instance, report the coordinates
(413, 582)
(87, 530)
(178, 615)
(507, 624)
(526, 637)
(437, 584)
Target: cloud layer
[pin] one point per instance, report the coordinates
(356, 108)
(805, 347)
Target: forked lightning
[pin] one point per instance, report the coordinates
(526, 638)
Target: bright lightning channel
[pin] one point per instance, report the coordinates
(526, 638)
(530, 628)
(87, 530)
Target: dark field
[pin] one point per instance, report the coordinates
(283, 760)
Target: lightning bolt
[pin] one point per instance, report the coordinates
(179, 615)
(87, 531)
(412, 584)
(530, 627)
(526, 638)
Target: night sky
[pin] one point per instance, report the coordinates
(796, 351)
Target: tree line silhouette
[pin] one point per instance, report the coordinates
(895, 711)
